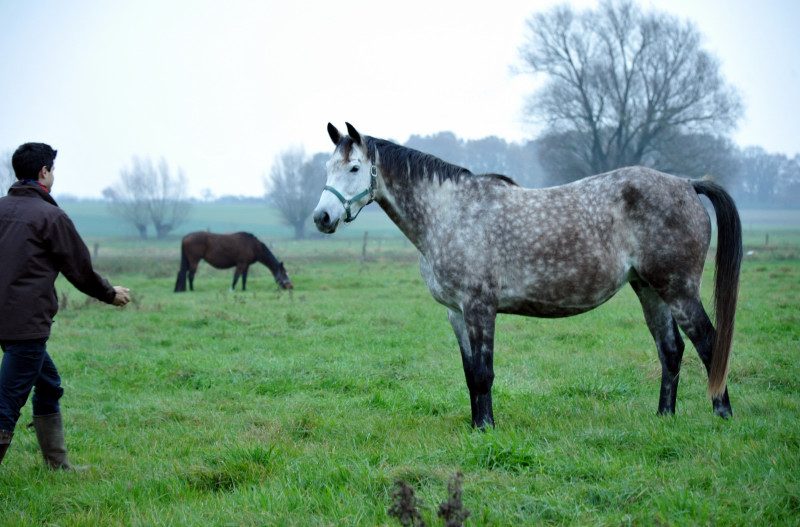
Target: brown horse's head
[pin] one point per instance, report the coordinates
(282, 278)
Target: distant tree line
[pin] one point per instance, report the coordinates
(488, 155)
(765, 180)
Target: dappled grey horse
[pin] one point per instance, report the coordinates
(488, 246)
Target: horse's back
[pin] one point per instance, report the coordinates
(636, 203)
(219, 250)
(229, 250)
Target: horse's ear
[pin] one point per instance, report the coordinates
(353, 133)
(334, 133)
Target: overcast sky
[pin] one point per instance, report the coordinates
(220, 88)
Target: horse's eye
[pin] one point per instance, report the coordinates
(355, 168)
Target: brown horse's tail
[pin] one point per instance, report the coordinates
(180, 283)
(726, 285)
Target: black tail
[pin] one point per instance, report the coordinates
(726, 285)
(180, 283)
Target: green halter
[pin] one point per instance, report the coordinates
(347, 202)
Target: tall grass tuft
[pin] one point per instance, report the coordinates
(406, 506)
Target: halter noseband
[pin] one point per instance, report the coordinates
(347, 202)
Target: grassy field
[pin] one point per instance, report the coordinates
(305, 408)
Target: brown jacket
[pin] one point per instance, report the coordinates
(37, 241)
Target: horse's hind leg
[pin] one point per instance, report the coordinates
(192, 270)
(180, 282)
(693, 320)
(668, 342)
(476, 340)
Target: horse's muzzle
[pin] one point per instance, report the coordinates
(324, 222)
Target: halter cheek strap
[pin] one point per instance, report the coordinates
(347, 202)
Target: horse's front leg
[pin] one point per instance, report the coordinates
(241, 270)
(474, 330)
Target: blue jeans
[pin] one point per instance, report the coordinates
(27, 366)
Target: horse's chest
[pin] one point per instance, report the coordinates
(455, 276)
(438, 288)
(444, 283)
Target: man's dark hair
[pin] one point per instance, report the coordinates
(29, 159)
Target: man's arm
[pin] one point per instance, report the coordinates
(75, 263)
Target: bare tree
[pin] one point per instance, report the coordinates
(7, 176)
(622, 85)
(149, 195)
(129, 204)
(168, 205)
(294, 186)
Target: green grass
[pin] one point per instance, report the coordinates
(304, 408)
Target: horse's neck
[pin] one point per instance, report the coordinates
(268, 259)
(411, 231)
(414, 210)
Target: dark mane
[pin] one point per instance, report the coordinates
(407, 162)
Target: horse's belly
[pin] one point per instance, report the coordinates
(561, 297)
(544, 309)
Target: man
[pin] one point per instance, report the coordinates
(37, 241)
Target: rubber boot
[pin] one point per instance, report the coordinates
(5, 442)
(50, 433)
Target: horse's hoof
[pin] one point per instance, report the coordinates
(483, 425)
(724, 413)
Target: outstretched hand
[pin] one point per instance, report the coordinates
(121, 298)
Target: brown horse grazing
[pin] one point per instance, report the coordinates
(224, 251)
